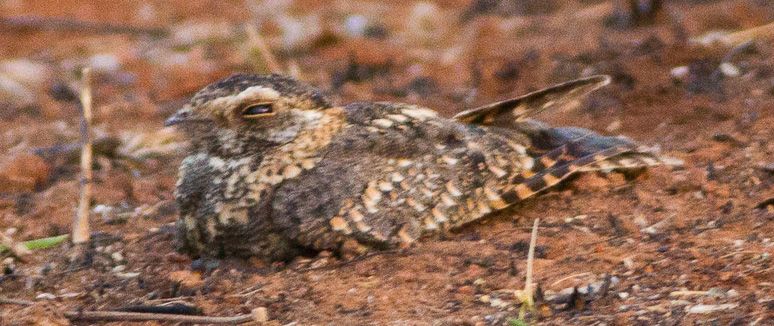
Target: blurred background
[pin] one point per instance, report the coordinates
(694, 77)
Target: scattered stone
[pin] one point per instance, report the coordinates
(356, 25)
(117, 257)
(680, 73)
(105, 62)
(729, 69)
(45, 296)
(20, 82)
(260, 315)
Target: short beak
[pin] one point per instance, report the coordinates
(180, 116)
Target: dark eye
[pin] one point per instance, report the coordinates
(257, 111)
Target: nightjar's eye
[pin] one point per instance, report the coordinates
(259, 110)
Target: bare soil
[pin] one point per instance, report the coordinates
(656, 236)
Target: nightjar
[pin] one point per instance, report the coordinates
(276, 170)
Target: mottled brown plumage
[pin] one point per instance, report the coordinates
(276, 170)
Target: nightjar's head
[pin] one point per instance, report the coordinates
(244, 110)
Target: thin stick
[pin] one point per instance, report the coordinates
(65, 24)
(142, 316)
(531, 259)
(760, 32)
(257, 42)
(569, 277)
(20, 302)
(81, 224)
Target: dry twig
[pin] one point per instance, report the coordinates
(527, 295)
(20, 302)
(81, 224)
(531, 257)
(141, 316)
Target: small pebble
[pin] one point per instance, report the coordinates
(628, 262)
(623, 295)
(356, 25)
(119, 268)
(105, 62)
(680, 72)
(117, 257)
(45, 296)
(260, 314)
(484, 298)
(729, 69)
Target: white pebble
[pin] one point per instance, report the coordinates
(105, 62)
(45, 296)
(260, 315)
(679, 72)
(356, 25)
(117, 256)
(729, 69)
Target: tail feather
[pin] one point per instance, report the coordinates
(522, 188)
(507, 113)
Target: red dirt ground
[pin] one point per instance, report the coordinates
(703, 227)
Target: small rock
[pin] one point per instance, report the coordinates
(356, 25)
(732, 293)
(679, 73)
(628, 262)
(45, 296)
(117, 257)
(485, 298)
(623, 295)
(729, 69)
(119, 268)
(260, 314)
(738, 243)
(105, 62)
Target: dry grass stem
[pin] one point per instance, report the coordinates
(257, 42)
(81, 224)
